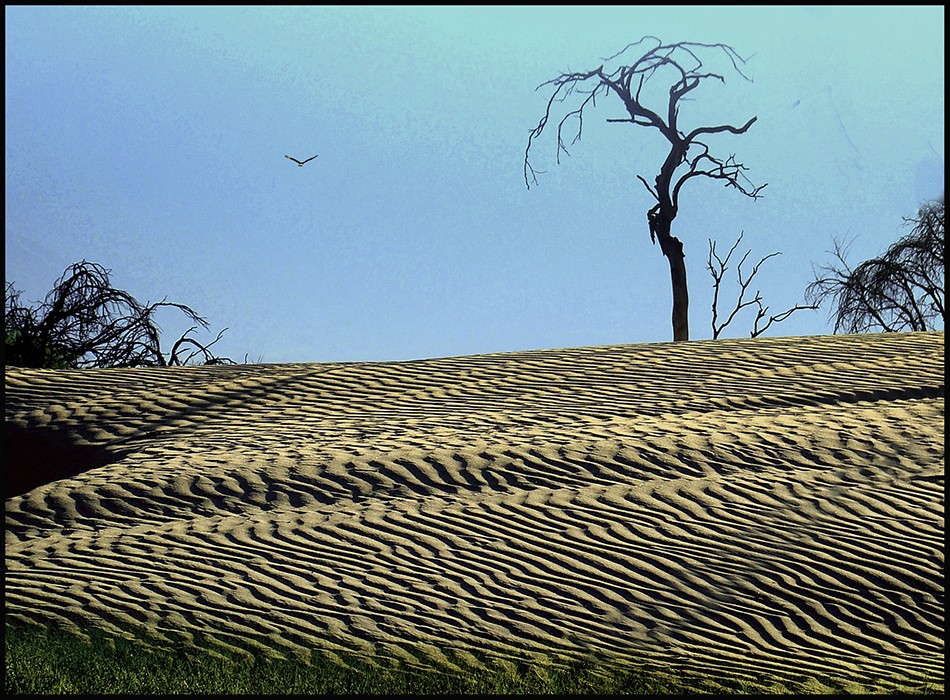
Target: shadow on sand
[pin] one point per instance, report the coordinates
(37, 456)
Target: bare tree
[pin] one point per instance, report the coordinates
(902, 290)
(718, 271)
(689, 155)
(85, 322)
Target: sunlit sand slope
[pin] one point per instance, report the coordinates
(763, 507)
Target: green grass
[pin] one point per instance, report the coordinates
(42, 660)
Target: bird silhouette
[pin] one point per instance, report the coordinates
(300, 162)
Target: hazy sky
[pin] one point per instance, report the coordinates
(152, 140)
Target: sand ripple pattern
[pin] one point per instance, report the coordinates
(746, 507)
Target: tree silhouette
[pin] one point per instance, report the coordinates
(689, 155)
(85, 322)
(718, 271)
(902, 290)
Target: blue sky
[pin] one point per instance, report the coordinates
(152, 140)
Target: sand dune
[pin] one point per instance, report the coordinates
(763, 507)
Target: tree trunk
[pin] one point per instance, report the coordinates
(680, 291)
(672, 248)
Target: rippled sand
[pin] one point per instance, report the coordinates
(770, 508)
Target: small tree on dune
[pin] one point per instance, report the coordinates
(902, 290)
(689, 154)
(85, 322)
(717, 268)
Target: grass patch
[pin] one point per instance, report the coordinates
(41, 660)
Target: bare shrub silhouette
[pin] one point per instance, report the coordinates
(85, 322)
(718, 271)
(902, 290)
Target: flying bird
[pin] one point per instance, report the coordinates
(300, 162)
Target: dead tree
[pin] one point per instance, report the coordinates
(85, 322)
(689, 155)
(902, 290)
(718, 271)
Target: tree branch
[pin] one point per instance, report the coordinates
(620, 82)
(718, 272)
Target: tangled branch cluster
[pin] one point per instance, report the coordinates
(84, 322)
(902, 290)
(627, 83)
